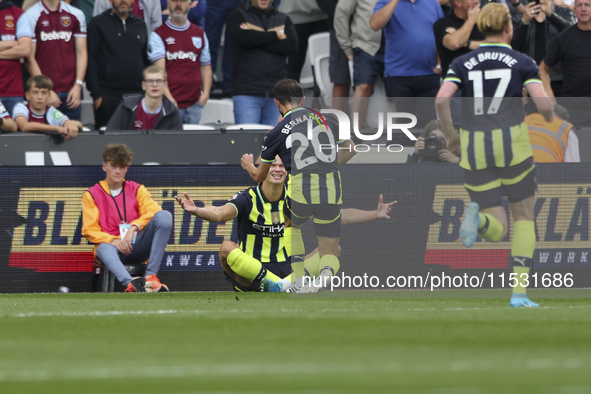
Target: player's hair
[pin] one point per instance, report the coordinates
(118, 154)
(287, 89)
(155, 70)
(429, 127)
(40, 81)
(493, 19)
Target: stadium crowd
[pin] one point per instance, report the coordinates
(107, 45)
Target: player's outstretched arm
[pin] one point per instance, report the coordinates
(352, 216)
(209, 213)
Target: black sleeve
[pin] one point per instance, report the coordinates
(241, 202)
(565, 14)
(177, 122)
(412, 158)
(328, 7)
(529, 69)
(558, 22)
(93, 42)
(272, 144)
(439, 30)
(145, 59)
(247, 38)
(554, 53)
(117, 121)
(519, 42)
(287, 46)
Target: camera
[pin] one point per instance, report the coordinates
(433, 144)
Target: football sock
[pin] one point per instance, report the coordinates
(524, 239)
(490, 228)
(312, 265)
(331, 262)
(249, 267)
(522, 272)
(296, 242)
(297, 266)
(522, 251)
(298, 250)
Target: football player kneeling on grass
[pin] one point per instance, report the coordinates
(126, 225)
(260, 262)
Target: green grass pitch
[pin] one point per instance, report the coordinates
(276, 343)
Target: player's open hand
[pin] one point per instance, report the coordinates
(384, 208)
(187, 204)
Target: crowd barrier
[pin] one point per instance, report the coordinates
(164, 147)
(184, 148)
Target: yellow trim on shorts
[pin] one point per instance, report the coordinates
(321, 221)
(518, 178)
(485, 187)
(499, 182)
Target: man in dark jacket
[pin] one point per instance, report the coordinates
(117, 56)
(538, 26)
(261, 39)
(152, 111)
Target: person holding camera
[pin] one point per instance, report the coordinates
(432, 146)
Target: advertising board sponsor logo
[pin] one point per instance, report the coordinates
(50, 239)
(561, 214)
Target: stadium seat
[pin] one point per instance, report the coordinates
(87, 108)
(319, 58)
(307, 75)
(104, 281)
(218, 112)
(377, 103)
(198, 127)
(319, 53)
